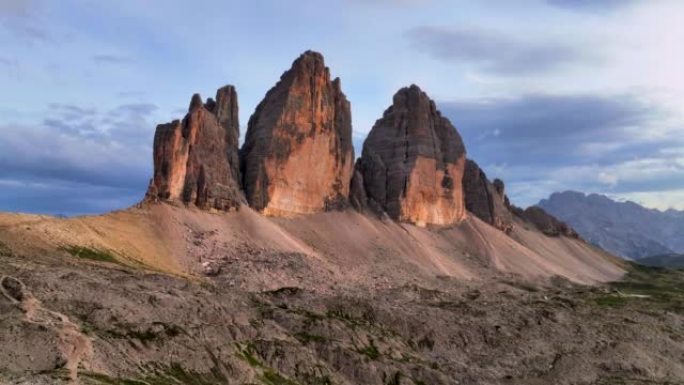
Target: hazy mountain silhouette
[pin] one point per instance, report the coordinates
(623, 228)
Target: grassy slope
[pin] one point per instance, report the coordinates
(647, 287)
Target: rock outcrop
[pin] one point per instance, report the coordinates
(298, 154)
(196, 159)
(486, 200)
(545, 222)
(413, 162)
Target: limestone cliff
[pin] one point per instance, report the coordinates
(196, 159)
(486, 200)
(413, 162)
(298, 155)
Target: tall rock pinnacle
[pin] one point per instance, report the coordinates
(196, 159)
(413, 162)
(298, 155)
(486, 200)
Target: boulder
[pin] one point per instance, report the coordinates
(486, 200)
(298, 155)
(413, 162)
(196, 159)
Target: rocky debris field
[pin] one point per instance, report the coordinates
(69, 319)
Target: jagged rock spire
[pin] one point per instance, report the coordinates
(413, 162)
(196, 159)
(298, 155)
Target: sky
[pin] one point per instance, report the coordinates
(548, 95)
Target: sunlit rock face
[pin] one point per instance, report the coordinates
(486, 200)
(196, 159)
(413, 162)
(298, 155)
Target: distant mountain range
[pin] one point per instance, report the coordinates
(667, 260)
(622, 228)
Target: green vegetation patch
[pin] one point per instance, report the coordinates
(155, 332)
(371, 351)
(89, 378)
(268, 376)
(271, 377)
(5, 251)
(307, 338)
(176, 374)
(246, 353)
(159, 374)
(647, 287)
(91, 254)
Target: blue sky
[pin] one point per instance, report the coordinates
(548, 95)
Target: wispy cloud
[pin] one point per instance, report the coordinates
(130, 94)
(494, 52)
(592, 5)
(18, 17)
(7, 62)
(92, 154)
(111, 59)
(546, 143)
(15, 7)
(391, 2)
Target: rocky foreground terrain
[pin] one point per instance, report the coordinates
(91, 318)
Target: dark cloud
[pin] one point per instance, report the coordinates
(544, 143)
(543, 125)
(494, 52)
(102, 157)
(63, 198)
(592, 5)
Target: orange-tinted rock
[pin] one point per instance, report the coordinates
(486, 200)
(196, 159)
(298, 155)
(413, 162)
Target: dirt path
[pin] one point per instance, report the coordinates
(75, 346)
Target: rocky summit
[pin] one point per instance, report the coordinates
(168, 294)
(486, 200)
(196, 159)
(413, 162)
(298, 155)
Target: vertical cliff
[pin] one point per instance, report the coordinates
(413, 162)
(486, 200)
(196, 159)
(298, 155)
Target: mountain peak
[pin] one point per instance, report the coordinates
(622, 228)
(413, 162)
(304, 117)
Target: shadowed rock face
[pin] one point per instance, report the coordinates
(486, 200)
(298, 155)
(196, 159)
(545, 222)
(413, 162)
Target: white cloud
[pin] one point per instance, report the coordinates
(607, 178)
(661, 200)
